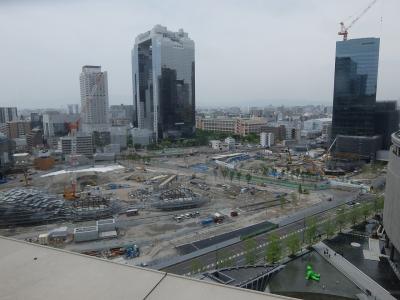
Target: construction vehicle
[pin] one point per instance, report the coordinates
(132, 251)
(344, 30)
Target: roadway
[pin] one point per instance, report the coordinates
(287, 225)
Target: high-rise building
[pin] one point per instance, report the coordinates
(94, 99)
(354, 96)
(163, 77)
(8, 114)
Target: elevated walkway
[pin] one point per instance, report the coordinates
(371, 288)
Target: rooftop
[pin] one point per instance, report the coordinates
(31, 271)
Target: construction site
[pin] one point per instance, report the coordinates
(177, 197)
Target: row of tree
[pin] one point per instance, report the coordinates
(225, 172)
(314, 231)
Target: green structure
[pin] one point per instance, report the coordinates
(311, 275)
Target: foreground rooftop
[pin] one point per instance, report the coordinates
(30, 271)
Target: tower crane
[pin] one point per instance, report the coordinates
(344, 30)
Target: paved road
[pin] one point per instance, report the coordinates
(290, 224)
(359, 278)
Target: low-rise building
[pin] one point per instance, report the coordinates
(227, 125)
(239, 126)
(142, 136)
(80, 144)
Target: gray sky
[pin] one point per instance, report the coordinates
(256, 52)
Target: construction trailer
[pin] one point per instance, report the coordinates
(106, 225)
(84, 234)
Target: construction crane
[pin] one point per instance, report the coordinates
(344, 30)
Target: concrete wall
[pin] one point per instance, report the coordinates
(391, 213)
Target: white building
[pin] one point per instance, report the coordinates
(267, 139)
(230, 143)
(94, 99)
(216, 144)
(80, 144)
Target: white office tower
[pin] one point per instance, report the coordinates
(267, 139)
(163, 78)
(94, 99)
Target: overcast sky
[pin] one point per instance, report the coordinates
(255, 52)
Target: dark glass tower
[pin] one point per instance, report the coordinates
(354, 96)
(163, 76)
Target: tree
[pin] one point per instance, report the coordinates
(293, 244)
(265, 169)
(250, 250)
(311, 230)
(224, 172)
(377, 204)
(274, 249)
(294, 198)
(231, 174)
(129, 140)
(355, 215)
(248, 178)
(238, 175)
(215, 172)
(380, 203)
(195, 266)
(224, 259)
(366, 210)
(329, 228)
(282, 201)
(300, 189)
(341, 218)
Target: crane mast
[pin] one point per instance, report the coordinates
(344, 30)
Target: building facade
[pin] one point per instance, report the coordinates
(7, 148)
(163, 78)
(17, 129)
(121, 115)
(267, 139)
(79, 144)
(239, 126)
(94, 99)
(227, 125)
(56, 124)
(386, 121)
(354, 96)
(391, 211)
(8, 114)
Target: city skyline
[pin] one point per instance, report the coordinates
(261, 77)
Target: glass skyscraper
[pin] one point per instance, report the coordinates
(354, 97)
(163, 78)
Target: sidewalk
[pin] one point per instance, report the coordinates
(364, 282)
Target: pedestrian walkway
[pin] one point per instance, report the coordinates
(371, 288)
